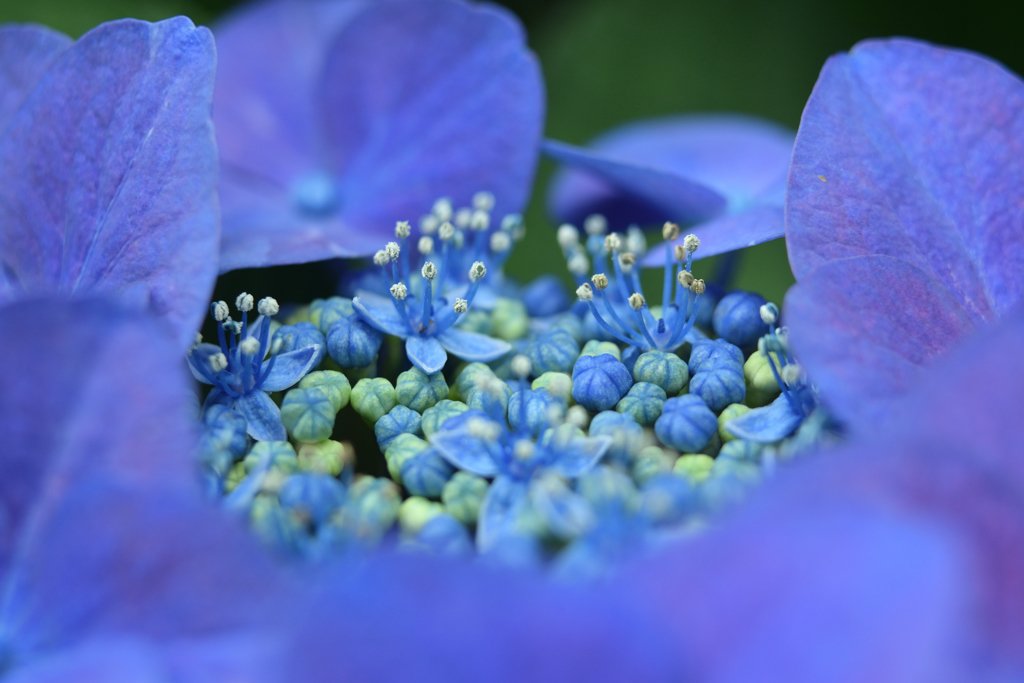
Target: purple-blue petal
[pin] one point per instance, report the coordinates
(915, 152)
(499, 511)
(26, 51)
(108, 173)
(426, 353)
(769, 424)
(288, 368)
(865, 327)
(262, 416)
(728, 233)
(580, 454)
(473, 346)
(465, 450)
(380, 313)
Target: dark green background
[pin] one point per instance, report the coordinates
(609, 61)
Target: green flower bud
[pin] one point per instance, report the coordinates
(462, 496)
(333, 382)
(373, 398)
(741, 449)
(299, 315)
(415, 512)
(509, 320)
(282, 456)
(694, 466)
(308, 414)
(595, 347)
(558, 384)
(436, 416)
(762, 388)
(476, 320)
(370, 509)
(419, 391)
(325, 312)
(644, 402)
(235, 476)
(741, 469)
(731, 411)
(667, 370)
(404, 447)
(650, 462)
(470, 375)
(326, 457)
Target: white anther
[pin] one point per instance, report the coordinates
(197, 341)
(554, 414)
(691, 243)
(244, 302)
(670, 231)
(249, 346)
(446, 231)
(568, 236)
(462, 218)
(443, 209)
(769, 313)
(500, 241)
(232, 326)
(685, 278)
(461, 305)
(521, 366)
(428, 224)
(636, 301)
(697, 287)
(483, 201)
(392, 250)
(578, 416)
(221, 311)
(584, 292)
(218, 362)
(402, 229)
(458, 239)
(425, 245)
(429, 270)
(792, 374)
(612, 242)
(595, 224)
(600, 281)
(399, 291)
(480, 220)
(524, 449)
(268, 306)
(578, 264)
(679, 251)
(381, 258)
(512, 222)
(626, 262)
(483, 429)
(636, 242)
(477, 271)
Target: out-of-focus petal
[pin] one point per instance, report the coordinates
(915, 152)
(426, 353)
(108, 173)
(728, 233)
(865, 327)
(580, 454)
(769, 424)
(473, 346)
(26, 51)
(500, 511)
(465, 448)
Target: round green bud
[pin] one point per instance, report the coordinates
(731, 411)
(326, 457)
(694, 466)
(281, 453)
(404, 447)
(437, 415)
(476, 320)
(417, 390)
(325, 312)
(299, 315)
(370, 509)
(373, 398)
(665, 369)
(509, 319)
(415, 512)
(462, 496)
(471, 375)
(235, 476)
(558, 384)
(596, 347)
(333, 382)
(644, 402)
(741, 449)
(762, 388)
(308, 414)
(650, 462)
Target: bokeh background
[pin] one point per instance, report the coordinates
(610, 61)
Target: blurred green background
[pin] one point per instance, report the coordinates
(609, 61)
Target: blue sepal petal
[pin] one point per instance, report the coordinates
(473, 346)
(426, 353)
(580, 455)
(772, 423)
(263, 417)
(466, 450)
(380, 313)
(500, 511)
(289, 368)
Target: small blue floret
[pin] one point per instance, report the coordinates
(426, 473)
(400, 420)
(719, 388)
(737, 318)
(600, 382)
(686, 424)
(553, 351)
(352, 343)
(313, 496)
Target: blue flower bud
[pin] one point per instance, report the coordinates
(595, 347)
(444, 535)
(741, 449)
(312, 496)
(643, 402)
(434, 417)
(325, 312)
(686, 424)
(492, 400)
(223, 439)
(695, 467)
(709, 354)
(299, 336)
(542, 411)
(629, 357)
(417, 390)
(545, 296)
(276, 526)
(572, 324)
(373, 398)
(509, 319)
(599, 382)
(400, 420)
(627, 435)
(667, 370)
(462, 496)
(326, 457)
(281, 453)
(352, 343)
(308, 414)
(720, 387)
(370, 510)
(737, 318)
(426, 473)
(553, 351)
(650, 462)
(403, 447)
(333, 382)
(666, 499)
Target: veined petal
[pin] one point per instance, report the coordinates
(108, 173)
(580, 454)
(466, 449)
(381, 314)
(426, 353)
(288, 368)
(727, 233)
(263, 417)
(26, 51)
(768, 424)
(473, 346)
(500, 510)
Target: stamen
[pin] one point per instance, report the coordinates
(392, 250)
(578, 265)
(244, 302)
(520, 365)
(461, 305)
(443, 209)
(249, 346)
(626, 262)
(524, 448)
(670, 231)
(500, 242)
(595, 224)
(769, 313)
(691, 243)
(462, 218)
(600, 281)
(402, 229)
(480, 220)
(196, 342)
(268, 306)
(483, 201)
(635, 240)
(697, 287)
(218, 362)
(220, 311)
(584, 292)
(399, 291)
(680, 253)
(636, 301)
(568, 236)
(446, 231)
(429, 223)
(685, 278)
(381, 258)
(426, 245)
(612, 242)
(477, 271)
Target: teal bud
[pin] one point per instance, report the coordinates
(325, 312)
(643, 402)
(419, 391)
(462, 496)
(686, 424)
(741, 449)
(333, 382)
(731, 412)
(370, 510)
(352, 343)
(542, 411)
(571, 323)
(400, 420)
(696, 467)
(600, 382)
(426, 473)
(509, 319)
(650, 462)
(476, 320)
(325, 457)
(308, 414)
(561, 511)
(224, 430)
(373, 398)
(558, 384)
(491, 397)
(627, 436)
(235, 475)
(595, 347)
(415, 512)
(402, 448)
(719, 387)
(553, 351)
(444, 535)
(608, 488)
(667, 370)
(471, 376)
(712, 353)
(276, 526)
(299, 336)
(281, 453)
(313, 497)
(436, 416)
(743, 470)
(762, 387)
